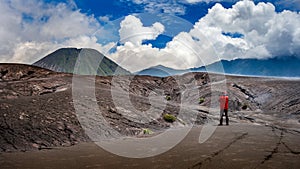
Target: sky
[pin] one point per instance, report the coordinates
(138, 34)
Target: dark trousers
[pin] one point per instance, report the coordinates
(226, 115)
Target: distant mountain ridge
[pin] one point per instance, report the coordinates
(277, 67)
(160, 71)
(64, 60)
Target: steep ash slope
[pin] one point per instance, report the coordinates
(64, 60)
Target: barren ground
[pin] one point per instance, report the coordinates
(39, 127)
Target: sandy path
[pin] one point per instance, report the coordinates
(234, 146)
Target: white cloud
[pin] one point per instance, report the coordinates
(264, 33)
(32, 29)
(65, 23)
(104, 19)
(136, 56)
(29, 52)
(132, 54)
(132, 30)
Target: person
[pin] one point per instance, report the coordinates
(224, 108)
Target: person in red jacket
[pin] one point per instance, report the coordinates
(224, 108)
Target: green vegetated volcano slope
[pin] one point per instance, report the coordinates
(85, 60)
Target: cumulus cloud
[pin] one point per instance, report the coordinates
(263, 33)
(134, 55)
(132, 30)
(282, 4)
(32, 29)
(29, 52)
(104, 19)
(64, 23)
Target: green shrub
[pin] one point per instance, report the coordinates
(245, 106)
(147, 131)
(168, 98)
(169, 118)
(201, 100)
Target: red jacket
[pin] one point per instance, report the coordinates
(224, 102)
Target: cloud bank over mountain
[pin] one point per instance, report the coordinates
(32, 29)
(247, 30)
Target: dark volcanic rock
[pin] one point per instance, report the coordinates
(36, 109)
(14, 72)
(37, 106)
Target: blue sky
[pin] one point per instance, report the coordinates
(144, 33)
(193, 11)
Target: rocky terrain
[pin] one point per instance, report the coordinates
(37, 105)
